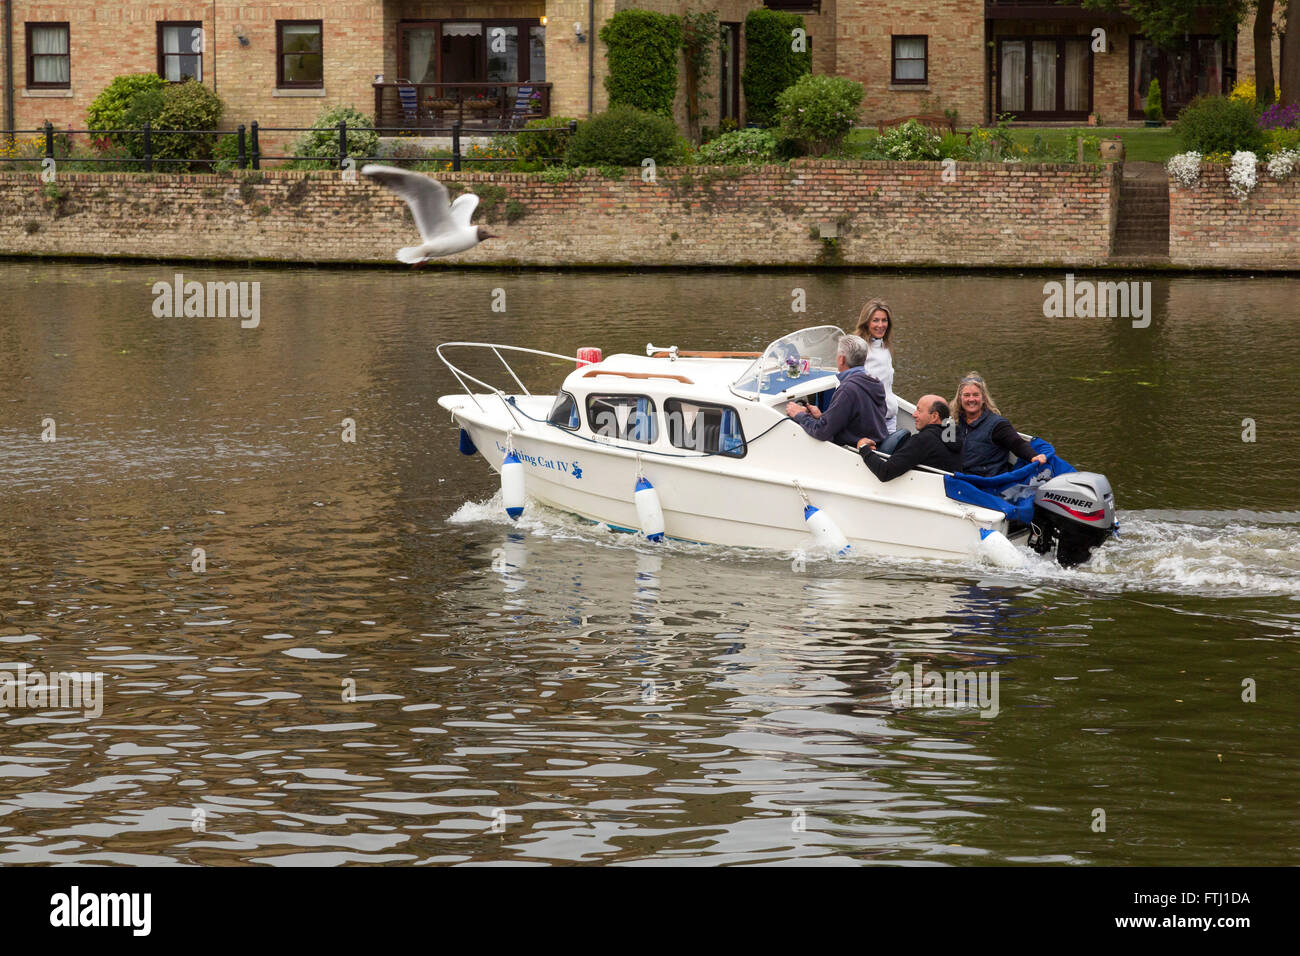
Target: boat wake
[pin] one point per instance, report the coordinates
(1214, 553)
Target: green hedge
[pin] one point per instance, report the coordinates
(108, 111)
(1217, 124)
(641, 48)
(624, 136)
(770, 63)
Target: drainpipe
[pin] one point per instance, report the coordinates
(9, 64)
(591, 55)
(214, 46)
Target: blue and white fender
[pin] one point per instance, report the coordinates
(512, 484)
(825, 532)
(996, 549)
(649, 512)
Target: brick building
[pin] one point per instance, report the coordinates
(1034, 59)
(280, 62)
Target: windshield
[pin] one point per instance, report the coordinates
(790, 360)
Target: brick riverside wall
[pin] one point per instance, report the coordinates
(1210, 228)
(888, 214)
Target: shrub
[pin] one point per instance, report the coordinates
(1244, 92)
(177, 106)
(817, 112)
(550, 140)
(225, 155)
(623, 136)
(641, 48)
(1280, 140)
(770, 64)
(1217, 124)
(739, 146)
(322, 141)
(108, 110)
(1155, 110)
(952, 146)
(910, 141)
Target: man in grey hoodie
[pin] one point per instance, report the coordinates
(856, 410)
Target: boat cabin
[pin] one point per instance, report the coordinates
(706, 402)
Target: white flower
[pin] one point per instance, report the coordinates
(1185, 169)
(1283, 164)
(1242, 174)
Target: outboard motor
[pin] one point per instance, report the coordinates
(1074, 512)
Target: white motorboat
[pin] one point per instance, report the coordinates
(697, 446)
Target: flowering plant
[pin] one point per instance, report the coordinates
(1278, 116)
(1185, 169)
(1283, 164)
(1242, 175)
(794, 367)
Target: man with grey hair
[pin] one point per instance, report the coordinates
(856, 409)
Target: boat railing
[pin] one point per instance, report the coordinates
(464, 377)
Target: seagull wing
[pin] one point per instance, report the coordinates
(426, 196)
(463, 208)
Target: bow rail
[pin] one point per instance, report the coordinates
(463, 376)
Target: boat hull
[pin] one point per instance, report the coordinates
(750, 502)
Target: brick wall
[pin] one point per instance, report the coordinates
(1210, 228)
(886, 214)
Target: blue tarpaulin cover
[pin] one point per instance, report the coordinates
(1011, 492)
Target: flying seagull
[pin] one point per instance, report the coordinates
(444, 227)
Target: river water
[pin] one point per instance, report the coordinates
(351, 679)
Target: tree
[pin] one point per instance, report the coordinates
(1264, 53)
(1290, 80)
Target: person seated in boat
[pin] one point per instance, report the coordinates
(986, 437)
(876, 328)
(927, 447)
(856, 410)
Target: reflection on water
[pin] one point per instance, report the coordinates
(378, 666)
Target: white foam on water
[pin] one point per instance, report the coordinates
(1228, 553)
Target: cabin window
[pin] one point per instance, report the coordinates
(628, 417)
(564, 412)
(711, 429)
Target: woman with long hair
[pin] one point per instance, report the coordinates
(986, 437)
(876, 326)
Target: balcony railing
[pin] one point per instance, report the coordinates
(435, 106)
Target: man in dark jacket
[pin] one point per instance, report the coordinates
(926, 447)
(857, 409)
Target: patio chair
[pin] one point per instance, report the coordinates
(522, 111)
(410, 103)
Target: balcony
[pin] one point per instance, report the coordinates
(428, 107)
(1045, 10)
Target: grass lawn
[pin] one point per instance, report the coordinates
(1140, 144)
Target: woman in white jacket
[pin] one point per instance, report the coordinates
(876, 325)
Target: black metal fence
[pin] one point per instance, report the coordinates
(248, 153)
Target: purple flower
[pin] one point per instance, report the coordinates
(1278, 116)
